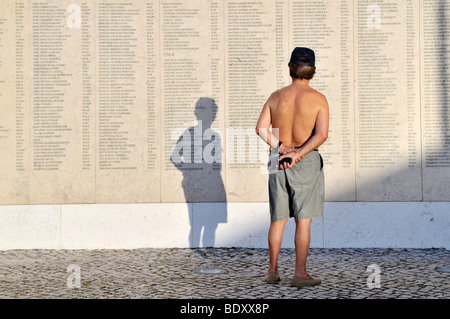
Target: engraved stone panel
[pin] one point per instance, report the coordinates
(192, 103)
(435, 92)
(250, 77)
(387, 101)
(14, 103)
(60, 109)
(128, 112)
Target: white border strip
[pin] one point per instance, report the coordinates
(181, 225)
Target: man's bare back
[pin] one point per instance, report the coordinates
(299, 114)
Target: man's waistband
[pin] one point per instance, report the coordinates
(296, 147)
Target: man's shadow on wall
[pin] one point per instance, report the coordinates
(198, 155)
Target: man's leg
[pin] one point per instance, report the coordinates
(302, 241)
(275, 237)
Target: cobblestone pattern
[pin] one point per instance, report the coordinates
(169, 273)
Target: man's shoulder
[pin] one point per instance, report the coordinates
(318, 95)
(276, 94)
(280, 91)
(287, 91)
(284, 91)
(315, 92)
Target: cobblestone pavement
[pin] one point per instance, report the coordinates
(171, 273)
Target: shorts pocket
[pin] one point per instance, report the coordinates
(302, 173)
(302, 165)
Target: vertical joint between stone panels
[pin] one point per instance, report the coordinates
(191, 233)
(60, 226)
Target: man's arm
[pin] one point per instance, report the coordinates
(264, 123)
(319, 137)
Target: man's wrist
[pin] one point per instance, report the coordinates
(279, 145)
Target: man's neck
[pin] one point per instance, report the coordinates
(300, 82)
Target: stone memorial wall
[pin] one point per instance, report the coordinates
(156, 101)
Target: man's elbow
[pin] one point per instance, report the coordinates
(323, 137)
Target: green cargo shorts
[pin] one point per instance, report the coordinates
(299, 191)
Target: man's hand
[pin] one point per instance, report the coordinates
(286, 149)
(296, 157)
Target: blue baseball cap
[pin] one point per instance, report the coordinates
(303, 52)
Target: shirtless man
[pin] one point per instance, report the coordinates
(300, 116)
